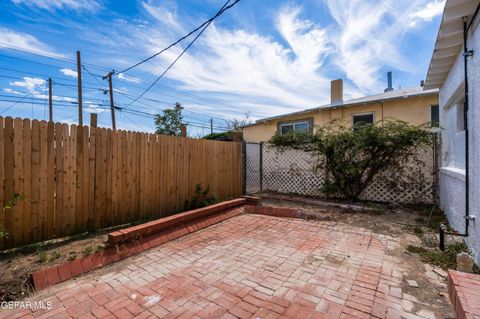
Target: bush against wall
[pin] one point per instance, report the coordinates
(351, 158)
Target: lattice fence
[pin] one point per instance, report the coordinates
(253, 168)
(293, 172)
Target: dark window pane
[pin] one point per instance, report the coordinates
(434, 115)
(363, 119)
(287, 128)
(301, 127)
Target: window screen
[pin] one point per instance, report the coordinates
(434, 116)
(363, 119)
(460, 117)
(287, 128)
(301, 127)
(294, 127)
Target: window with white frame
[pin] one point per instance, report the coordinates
(453, 135)
(295, 126)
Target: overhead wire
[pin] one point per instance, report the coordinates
(223, 9)
(21, 99)
(204, 24)
(104, 90)
(64, 60)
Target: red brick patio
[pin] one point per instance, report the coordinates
(248, 266)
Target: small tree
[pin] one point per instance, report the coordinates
(170, 122)
(351, 157)
(237, 124)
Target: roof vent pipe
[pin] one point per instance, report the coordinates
(390, 86)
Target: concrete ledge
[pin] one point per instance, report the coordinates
(147, 229)
(453, 172)
(464, 292)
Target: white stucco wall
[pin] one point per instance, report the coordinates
(452, 173)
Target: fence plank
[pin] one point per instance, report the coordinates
(18, 190)
(92, 220)
(60, 180)
(59, 187)
(35, 182)
(42, 179)
(9, 169)
(51, 176)
(2, 183)
(85, 183)
(72, 178)
(79, 181)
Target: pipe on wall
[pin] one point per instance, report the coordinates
(466, 55)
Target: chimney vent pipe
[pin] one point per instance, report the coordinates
(336, 92)
(390, 82)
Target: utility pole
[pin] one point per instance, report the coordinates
(50, 103)
(93, 120)
(79, 78)
(112, 105)
(211, 125)
(184, 131)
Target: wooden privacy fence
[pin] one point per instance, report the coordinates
(58, 180)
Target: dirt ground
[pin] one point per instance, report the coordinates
(17, 265)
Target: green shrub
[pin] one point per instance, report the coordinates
(201, 198)
(350, 158)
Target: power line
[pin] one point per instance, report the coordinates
(127, 95)
(37, 74)
(131, 121)
(223, 9)
(181, 94)
(92, 75)
(64, 60)
(56, 100)
(204, 24)
(16, 102)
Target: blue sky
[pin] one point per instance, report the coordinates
(263, 58)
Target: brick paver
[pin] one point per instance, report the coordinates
(250, 266)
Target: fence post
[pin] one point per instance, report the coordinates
(261, 166)
(244, 153)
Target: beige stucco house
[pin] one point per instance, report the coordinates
(413, 105)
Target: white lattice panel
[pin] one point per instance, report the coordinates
(293, 172)
(252, 178)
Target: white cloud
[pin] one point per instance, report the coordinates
(56, 98)
(243, 70)
(368, 37)
(69, 72)
(242, 67)
(428, 12)
(29, 84)
(128, 78)
(164, 13)
(10, 91)
(93, 107)
(52, 5)
(25, 42)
